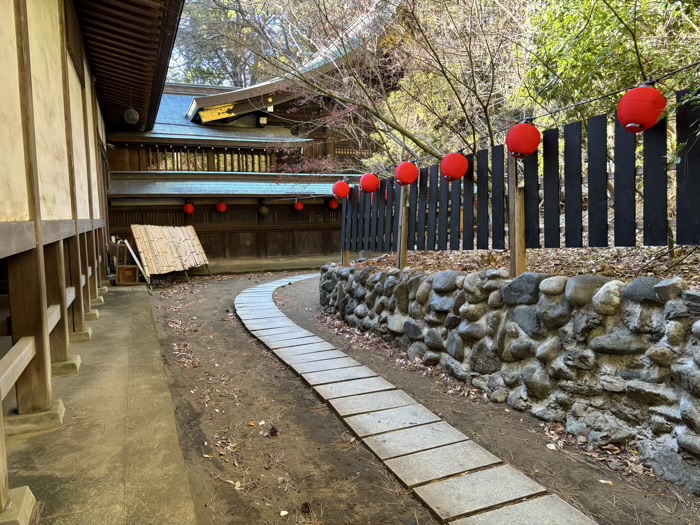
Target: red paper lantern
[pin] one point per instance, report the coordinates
(523, 140)
(454, 166)
(641, 108)
(406, 173)
(188, 208)
(369, 183)
(298, 206)
(333, 205)
(341, 189)
(221, 207)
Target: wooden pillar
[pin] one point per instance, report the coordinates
(84, 270)
(27, 285)
(56, 294)
(75, 269)
(402, 255)
(94, 279)
(4, 480)
(67, 280)
(26, 279)
(516, 221)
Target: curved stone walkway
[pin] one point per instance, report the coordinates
(459, 481)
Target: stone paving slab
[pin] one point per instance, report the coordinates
(315, 356)
(477, 492)
(269, 324)
(545, 510)
(259, 318)
(255, 305)
(284, 353)
(391, 419)
(289, 334)
(289, 343)
(441, 462)
(328, 364)
(255, 310)
(338, 375)
(352, 388)
(270, 331)
(410, 440)
(348, 406)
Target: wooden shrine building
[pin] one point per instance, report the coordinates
(249, 159)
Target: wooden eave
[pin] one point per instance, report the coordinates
(128, 45)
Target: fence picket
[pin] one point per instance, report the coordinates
(498, 233)
(353, 218)
(373, 222)
(454, 214)
(482, 200)
(432, 207)
(443, 205)
(625, 220)
(468, 207)
(388, 221)
(422, 203)
(366, 198)
(397, 213)
(381, 215)
(687, 176)
(573, 226)
(655, 199)
(550, 148)
(598, 181)
(532, 201)
(412, 202)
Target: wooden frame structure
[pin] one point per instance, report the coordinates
(53, 169)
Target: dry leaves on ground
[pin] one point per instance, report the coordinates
(624, 264)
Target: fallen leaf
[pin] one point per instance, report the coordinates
(605, 482)
(551, 446)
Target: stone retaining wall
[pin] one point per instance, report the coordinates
(613, 361)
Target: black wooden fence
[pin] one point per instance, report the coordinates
(472, 213)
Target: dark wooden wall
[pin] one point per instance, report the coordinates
(242, 232)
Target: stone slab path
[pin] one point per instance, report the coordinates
(459, 481)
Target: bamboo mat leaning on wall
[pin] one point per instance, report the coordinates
(165, 249)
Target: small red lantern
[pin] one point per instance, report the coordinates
(454, 166)
(369, 183)
(341, 189)
(406, 173)
(333, 204)
(298, 206)
(523, 140)
(221, 207)
(641, 108)
(188, 208)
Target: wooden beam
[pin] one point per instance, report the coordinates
(53, 314)
(70, 295)
(16, 237)
(14, 363)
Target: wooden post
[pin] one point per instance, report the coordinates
(84, 270)
(402, 255)
(4, 480)
(75, 280)
(28, 315)
(94, 279)
(56, 294)
(26, 279)
(516, 221)
(520, 245)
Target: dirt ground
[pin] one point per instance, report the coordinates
(229, 394)
(259, 447)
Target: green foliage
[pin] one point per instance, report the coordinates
(584, 48)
